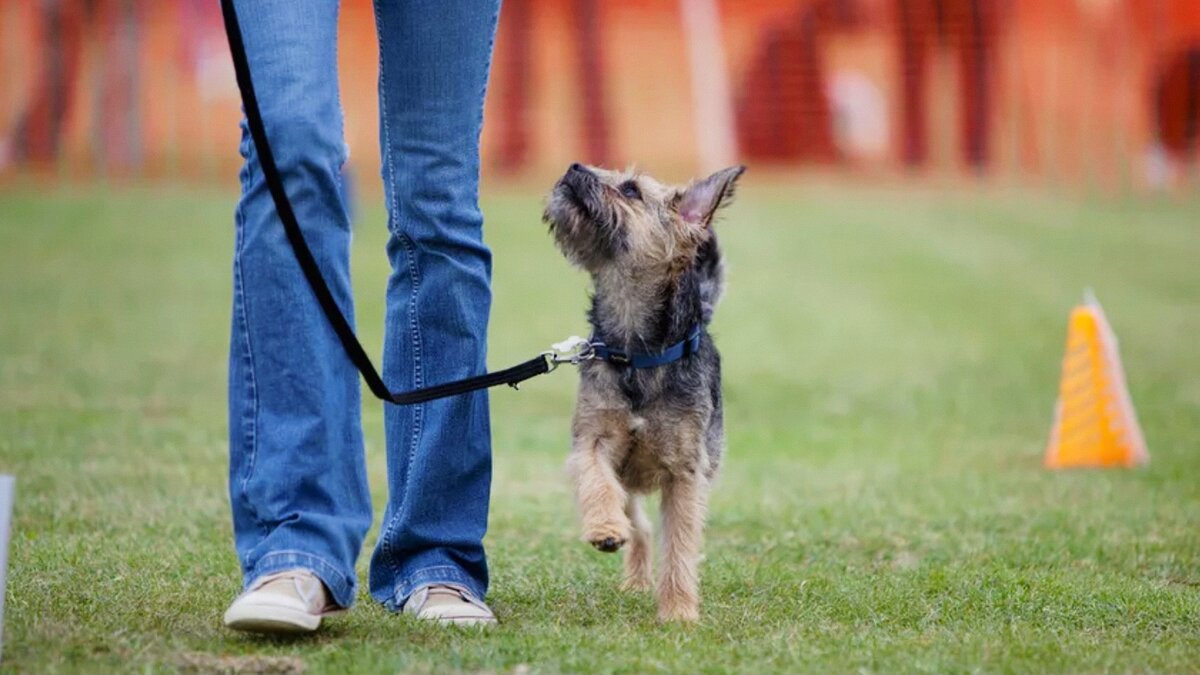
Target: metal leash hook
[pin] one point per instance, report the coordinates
(574, 350)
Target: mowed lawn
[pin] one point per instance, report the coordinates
(891, 365)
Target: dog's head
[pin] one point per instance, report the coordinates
(604, 220)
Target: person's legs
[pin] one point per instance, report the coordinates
(297, 476)
(434, 58)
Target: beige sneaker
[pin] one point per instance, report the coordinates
(448, 604)
(292, 601)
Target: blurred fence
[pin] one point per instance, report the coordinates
(1103, 92)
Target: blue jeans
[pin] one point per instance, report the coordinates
(297, 476)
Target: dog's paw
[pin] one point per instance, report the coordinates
(678, 614)
(678, 605)
(608, 544)
(609, 537)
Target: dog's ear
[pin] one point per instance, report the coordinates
(700, 200)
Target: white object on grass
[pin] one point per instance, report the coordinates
(6, 502)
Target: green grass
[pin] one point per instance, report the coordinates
(891, 362)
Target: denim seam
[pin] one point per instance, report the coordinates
(251, 432)
(406, 243)
(389, 188)
(418, 379)
(341, 586)
(389, 161)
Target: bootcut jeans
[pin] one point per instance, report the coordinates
(297, 476)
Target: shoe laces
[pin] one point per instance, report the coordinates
(450, 590)
(296, 577)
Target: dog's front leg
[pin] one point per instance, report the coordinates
(598, 444)
(684, 503)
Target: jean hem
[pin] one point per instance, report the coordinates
(341, 587)
(440, 574)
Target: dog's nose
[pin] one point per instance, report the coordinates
(578, 176)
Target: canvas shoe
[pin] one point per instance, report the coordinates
(448, 604)
(291, 601)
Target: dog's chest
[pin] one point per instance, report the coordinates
(657, 450)
(643, 467)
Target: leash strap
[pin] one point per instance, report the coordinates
(308, 264)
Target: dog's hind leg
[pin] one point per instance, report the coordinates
(684, 502)
(638, 558)
(598, 490)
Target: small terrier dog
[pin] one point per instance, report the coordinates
(649, 409)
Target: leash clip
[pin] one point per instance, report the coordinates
(574, 350)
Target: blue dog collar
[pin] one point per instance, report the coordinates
(686, 347)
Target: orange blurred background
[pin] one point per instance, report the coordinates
(1081, 92)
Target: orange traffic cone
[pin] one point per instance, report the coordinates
(1094, 420)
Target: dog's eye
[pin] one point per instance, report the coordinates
(630, 190)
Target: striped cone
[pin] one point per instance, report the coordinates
(1095, 424)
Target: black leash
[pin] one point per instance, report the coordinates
(543, 363)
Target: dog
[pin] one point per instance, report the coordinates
(644, 420)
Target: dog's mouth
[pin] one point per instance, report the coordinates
(571, 195)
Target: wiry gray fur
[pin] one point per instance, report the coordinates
(657, 272)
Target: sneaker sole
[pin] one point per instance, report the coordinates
(271, 620)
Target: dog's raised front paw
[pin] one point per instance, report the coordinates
(609, 537)
(608, 544)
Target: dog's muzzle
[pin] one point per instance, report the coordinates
(580, 186)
